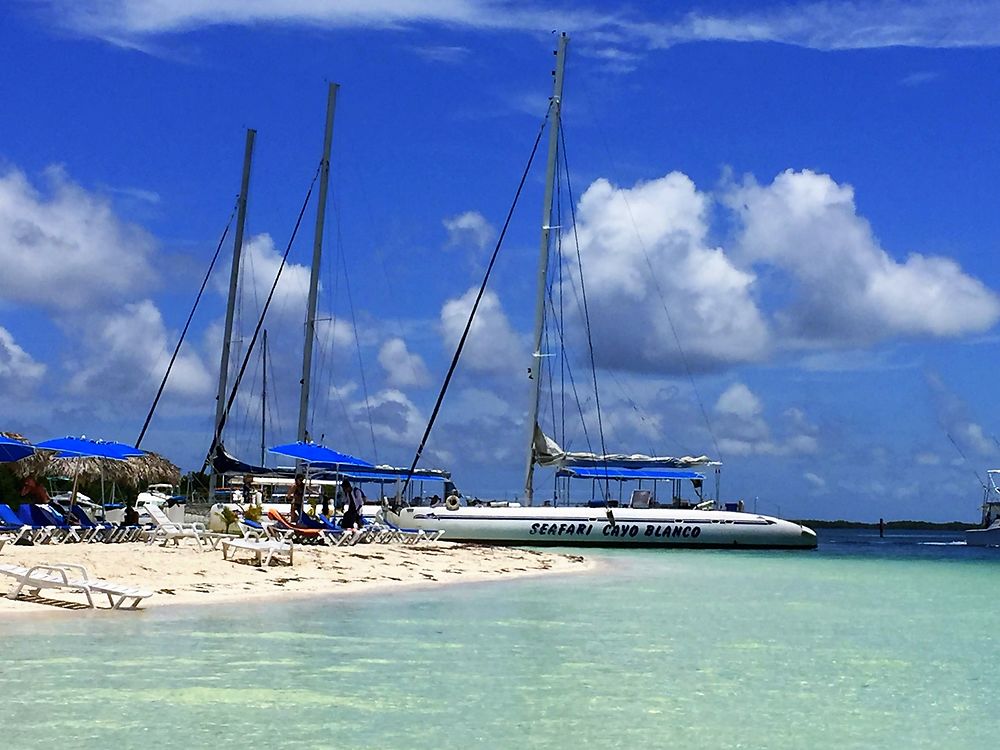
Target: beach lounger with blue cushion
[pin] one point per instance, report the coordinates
(31, 531)
(14, 527)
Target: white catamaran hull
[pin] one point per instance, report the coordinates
(595, 527)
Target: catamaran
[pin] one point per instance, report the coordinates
(642, 520)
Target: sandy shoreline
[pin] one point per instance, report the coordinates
(184, 576)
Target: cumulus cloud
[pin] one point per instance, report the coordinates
(492, 345)
(18, 369)
(817, 482)
(62, 248)
(744, 431)
(645, 252)
(846, 289)
(394, 417)
(402, 368)
(125, 354)
(469, 229)
(953, 417)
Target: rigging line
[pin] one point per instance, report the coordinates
(475, 306)
(586, 313)
(217, 437)
(576, 393)
(663, 303)
(357, 347)
(177, 348)
(560, 269)
(966, 460)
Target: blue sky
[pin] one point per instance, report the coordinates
(807, 188)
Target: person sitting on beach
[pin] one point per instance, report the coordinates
(295, 495)
(355, 499)
(34, 492)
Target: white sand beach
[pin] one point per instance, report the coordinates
(185, 575)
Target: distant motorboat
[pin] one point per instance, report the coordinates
(989, 534)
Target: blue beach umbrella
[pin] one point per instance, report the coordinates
(84, 447)
(14, 450)
(314, 453)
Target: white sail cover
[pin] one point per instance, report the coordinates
(548, 453)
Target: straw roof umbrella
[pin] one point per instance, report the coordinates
(134, 471)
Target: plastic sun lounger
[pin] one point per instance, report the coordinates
(50, 516)
(332, 535)
(170, 531)
(11, 524)
(262, 550)
(348, 536)
(58, 576)
(284, 530)
(415, 536)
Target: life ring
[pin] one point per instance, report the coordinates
(452, 502)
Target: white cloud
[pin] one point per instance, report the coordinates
(125, 354)
(470, 229)
(846, 289)
(394, 417)
(817, 482)
(402, 367)
(816, 25)
(18, 369)
(63, 249)
(740, 401)
(645, 249)
(492, 345)
(744, 431)
(837, 26)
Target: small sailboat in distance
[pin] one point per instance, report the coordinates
(639, 521)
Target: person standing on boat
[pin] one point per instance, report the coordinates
(295, 495)
(355, 500)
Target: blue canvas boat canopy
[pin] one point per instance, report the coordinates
(391, 474)
(314, 453)
(623, 474)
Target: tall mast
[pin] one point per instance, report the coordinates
(535, 367)
(263, 397)
(234, 278)
(307, 349)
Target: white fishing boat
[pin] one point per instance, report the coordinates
(989, 534)
(641, 521)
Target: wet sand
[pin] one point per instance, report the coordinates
(185, 575)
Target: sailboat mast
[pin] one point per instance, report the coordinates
(263, 397)
(535, 368)
(234, 279)
(307, 349)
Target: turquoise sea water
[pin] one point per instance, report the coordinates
(864, 643)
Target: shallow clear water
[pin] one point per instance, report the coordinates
(865, 643)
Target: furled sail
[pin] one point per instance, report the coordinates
(549, 453)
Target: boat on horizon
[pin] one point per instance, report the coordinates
(642, 520)
(988, 535)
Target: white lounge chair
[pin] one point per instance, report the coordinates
(73, 577)
(263, 551)
(170, 531)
